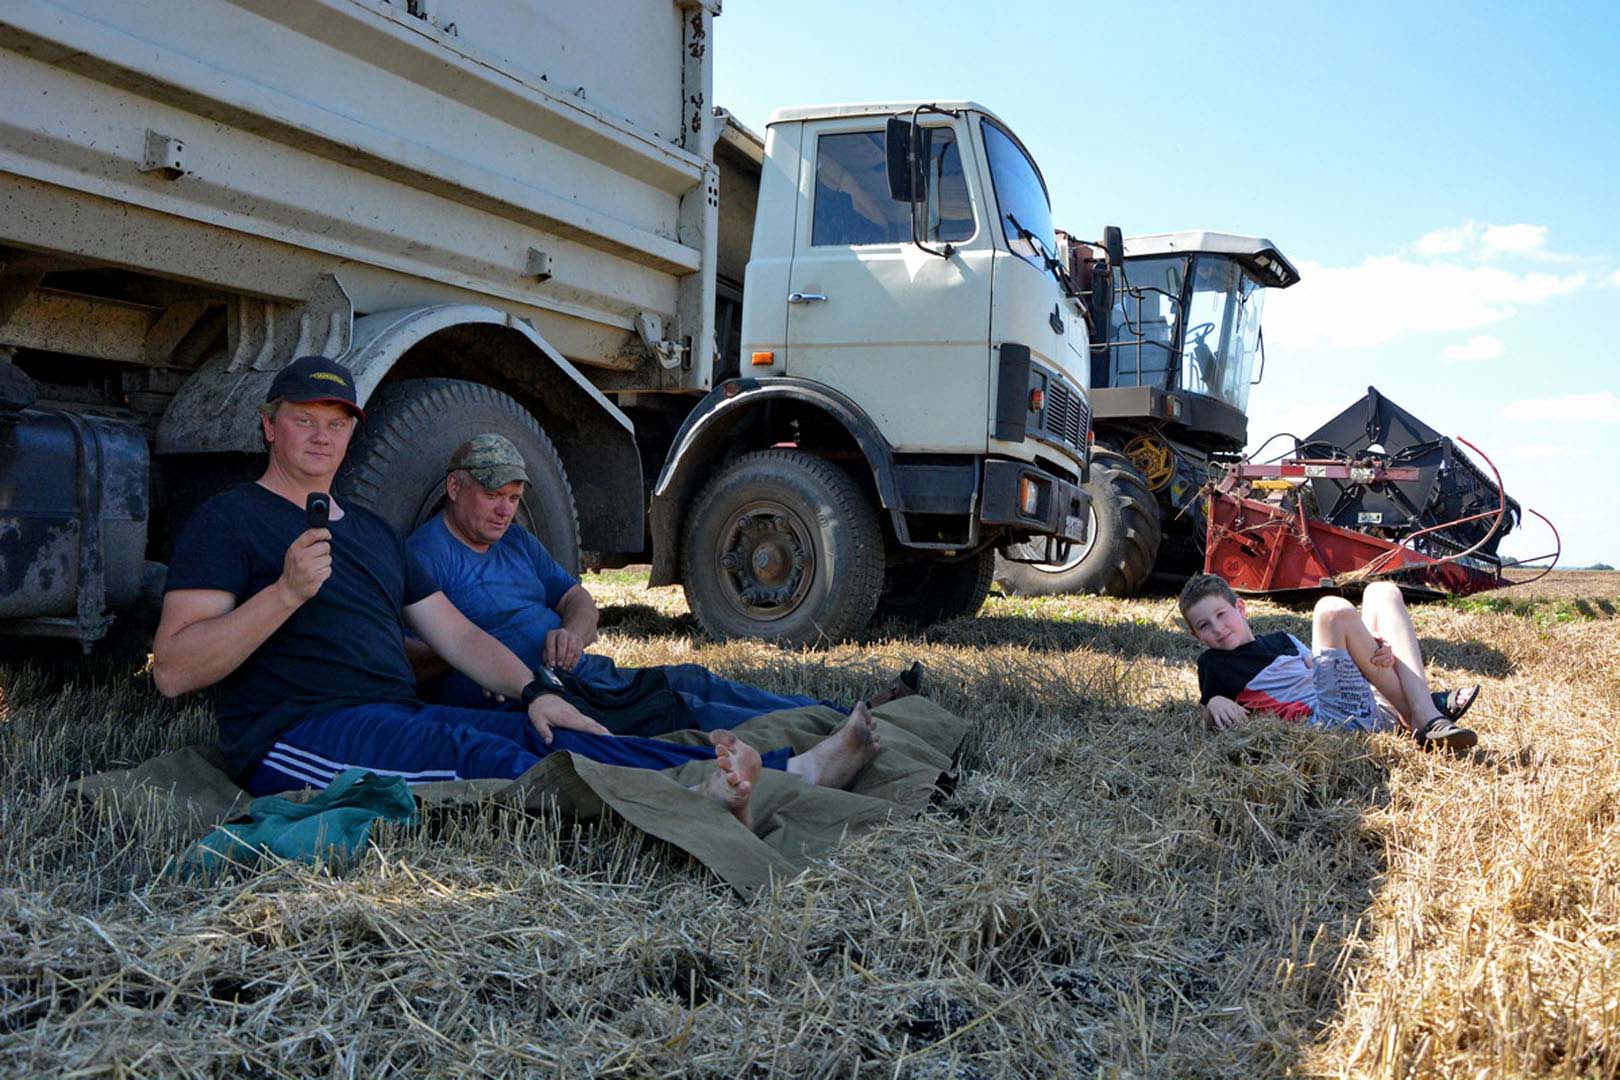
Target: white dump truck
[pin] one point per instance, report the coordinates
(803, 375)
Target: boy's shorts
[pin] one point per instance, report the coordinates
(1344, 697)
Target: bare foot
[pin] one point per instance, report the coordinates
(905, 684)
(834, 761)
(736, 770)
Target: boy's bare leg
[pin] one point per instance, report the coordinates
(1383, 610)
(1336, 624)
(836, 760)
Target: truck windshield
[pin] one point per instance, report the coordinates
(1223, 331)
(1020, 196)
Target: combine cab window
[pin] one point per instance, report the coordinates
(852, 204)
(1223, 331)
(1143, 350)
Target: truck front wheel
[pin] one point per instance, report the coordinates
(396, 465)
(1120, 548)
(784, 546)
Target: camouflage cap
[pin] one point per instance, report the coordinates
(491, 460)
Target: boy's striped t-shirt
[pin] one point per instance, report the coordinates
(1273, 674)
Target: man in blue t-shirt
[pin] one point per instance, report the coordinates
(297, 627)
(497, 574)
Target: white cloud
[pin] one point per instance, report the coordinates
(1602, 407)
(1477, 240)
(1614, 279)
(1449, 241)
(1478, 347)
(1513, 239)
(1390, 296)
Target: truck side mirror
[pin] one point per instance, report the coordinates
(1114, 244)
(908, 160)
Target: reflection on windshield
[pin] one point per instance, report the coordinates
(1020, 196)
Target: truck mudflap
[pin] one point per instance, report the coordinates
(1028, 498)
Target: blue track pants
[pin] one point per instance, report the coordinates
(425, 743)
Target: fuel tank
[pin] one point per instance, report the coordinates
(74, 503)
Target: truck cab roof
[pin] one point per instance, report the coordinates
(874, 108)
(1259, 255)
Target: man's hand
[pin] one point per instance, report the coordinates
(1383, 656)
(563, 649)
(550, 711)
(308, 564)
(1223, 713)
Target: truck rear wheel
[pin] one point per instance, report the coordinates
(1120, 548)
(784, 546)
(922, 591)
(396, 464)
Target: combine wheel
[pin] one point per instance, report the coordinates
(922, 591)
(395, 467)
(782, 545)
(1121, 545)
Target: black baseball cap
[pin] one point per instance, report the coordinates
(315, 378)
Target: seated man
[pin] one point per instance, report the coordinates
(1363, 671)
(503, 579)
(299, 628)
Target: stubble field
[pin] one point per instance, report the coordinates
(1108, 891)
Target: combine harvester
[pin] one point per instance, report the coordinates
(1373, 493)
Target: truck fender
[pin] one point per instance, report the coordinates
(709, 429)
(217, 409)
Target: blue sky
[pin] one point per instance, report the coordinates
(1444, 175)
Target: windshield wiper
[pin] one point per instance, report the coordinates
(1048, 259)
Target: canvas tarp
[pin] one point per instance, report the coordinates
(793, 821)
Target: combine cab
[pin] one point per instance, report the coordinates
(1170, 392)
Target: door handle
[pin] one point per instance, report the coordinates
(807, 298)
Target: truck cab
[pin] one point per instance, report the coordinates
(926, 345)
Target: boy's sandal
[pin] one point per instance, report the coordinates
(1453, 703)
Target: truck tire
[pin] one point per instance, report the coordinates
(1120, 549)
(784, 546)
(396, 465)
(923, 591)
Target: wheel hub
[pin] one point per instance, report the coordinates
(765, 560)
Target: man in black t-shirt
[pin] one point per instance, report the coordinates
(299, 631)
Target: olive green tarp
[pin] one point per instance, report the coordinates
(793, 821)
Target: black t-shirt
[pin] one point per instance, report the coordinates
(343, 647)
(1272, 673)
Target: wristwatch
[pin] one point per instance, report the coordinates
(543, 683)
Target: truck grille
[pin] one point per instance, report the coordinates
(1066, 416)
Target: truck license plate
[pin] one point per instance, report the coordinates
(1074, 528)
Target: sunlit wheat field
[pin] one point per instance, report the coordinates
(1109, 890)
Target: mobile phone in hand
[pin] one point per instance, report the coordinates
(317, 510)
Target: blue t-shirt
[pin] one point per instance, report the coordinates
(512, 590)
(343, 647)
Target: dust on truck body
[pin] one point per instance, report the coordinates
(747, 361)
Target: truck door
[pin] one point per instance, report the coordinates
(902, 332)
